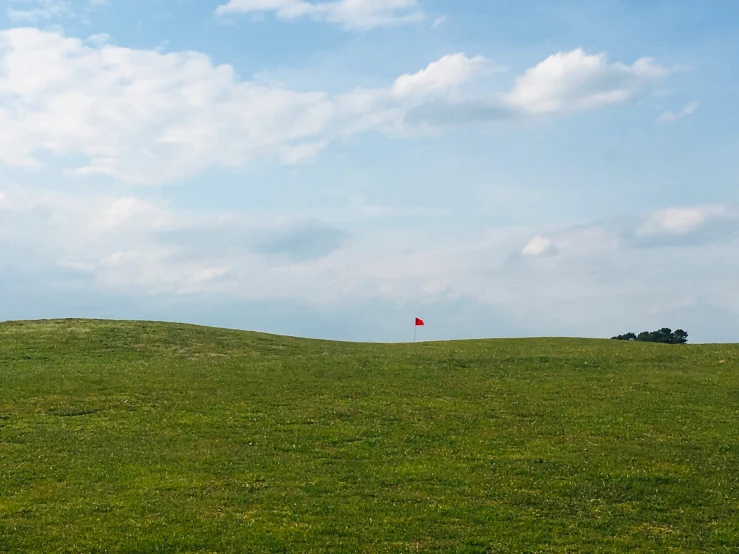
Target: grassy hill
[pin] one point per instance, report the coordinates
(145, 437)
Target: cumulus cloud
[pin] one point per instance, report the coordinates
(669, 117)
(440, 78)
(149, 117)
(349, 14)
(579, 81)
(146, 116)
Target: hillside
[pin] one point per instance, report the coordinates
(146, 437)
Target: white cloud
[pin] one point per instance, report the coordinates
(440, 78)
(668, 116)
(350, 14)
(539, 246)
(573, 242)
(685, 227)
(33, 11)
(677, 226)
(579, 81)
(99, 40)
(149, 117)
(681, 220)
(145, 116)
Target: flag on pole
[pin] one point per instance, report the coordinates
(419, 323)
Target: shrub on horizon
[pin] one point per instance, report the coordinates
(664, 335)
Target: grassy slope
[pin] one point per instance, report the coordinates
(138, 437)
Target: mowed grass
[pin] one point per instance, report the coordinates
(147, 437)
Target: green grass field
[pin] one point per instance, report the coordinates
(145, 437)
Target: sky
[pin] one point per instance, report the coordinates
(336, 168)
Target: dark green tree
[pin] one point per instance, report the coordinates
(680, 337)
(627, 336)
(664, 335)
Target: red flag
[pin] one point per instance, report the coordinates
(419, 322)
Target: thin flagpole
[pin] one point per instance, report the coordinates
(415, 331)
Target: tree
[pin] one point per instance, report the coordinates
(627, 336)
(664, 335)
(680, 337)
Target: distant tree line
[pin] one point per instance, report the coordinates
(666, 336)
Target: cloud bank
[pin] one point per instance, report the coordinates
(583, 279)
(144, 116)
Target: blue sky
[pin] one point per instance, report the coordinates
(334, 169)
